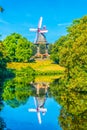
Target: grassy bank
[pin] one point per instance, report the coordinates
(42, 67)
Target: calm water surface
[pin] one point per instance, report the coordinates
(21, 119)
(35, 105)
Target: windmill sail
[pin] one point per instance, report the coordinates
(39, 117)
(40, 23)
(37, 110)
(33, 29)
(39, 32)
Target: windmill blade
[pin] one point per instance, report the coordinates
(33, 29)
(32, 110)
(39, 117)
(35, 38)
(42, 109)
(43, 31)
(40, 22)
(35, 102)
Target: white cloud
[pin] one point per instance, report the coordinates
(63, 24)
(3, 21)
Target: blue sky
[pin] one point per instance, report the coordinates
(20, 15)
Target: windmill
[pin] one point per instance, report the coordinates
(39, 31)
(40, 36)
(38, 110)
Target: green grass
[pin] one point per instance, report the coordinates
(42, 67)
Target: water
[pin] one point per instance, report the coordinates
(42, 104)
(21, 119)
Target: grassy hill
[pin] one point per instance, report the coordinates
(40, 66)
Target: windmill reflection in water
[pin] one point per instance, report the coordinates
(39, 101)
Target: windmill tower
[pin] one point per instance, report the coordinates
(39, 101)
(40, 37)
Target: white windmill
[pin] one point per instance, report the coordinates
(39, 31)
(38, 110)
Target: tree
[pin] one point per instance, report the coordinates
(10, 44)
(3, 64)
(18, 48)
(50, 48)
(55, 52)
(71, 51)
(23, 50)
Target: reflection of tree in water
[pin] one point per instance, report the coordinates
(73, 122)
(1, 104)
(1, 101)
(73, 115)
(17, 90)
(16, 93)
(2, 124)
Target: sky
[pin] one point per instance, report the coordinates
(20, 15)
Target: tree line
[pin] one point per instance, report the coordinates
(70, 51)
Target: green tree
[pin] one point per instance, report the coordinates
(18, 48)
(3, 72)
(71, 51)
(23, 50)
(3, 63)
(50, 48)
(10, 44)
(55, 52)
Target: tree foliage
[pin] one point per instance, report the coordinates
(72, 48)
(70, 51)
(3, 62)
(18, 48)
(23, 50)
(50, 48)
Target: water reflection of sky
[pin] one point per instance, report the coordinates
(21, 119)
